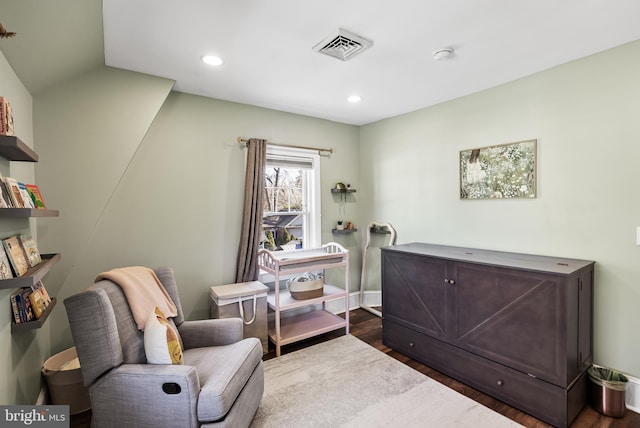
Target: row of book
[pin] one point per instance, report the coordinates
(16, 194)
(17, 254)
(6, 117)
(29, 303)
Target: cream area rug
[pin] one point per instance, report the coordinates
(346, 383)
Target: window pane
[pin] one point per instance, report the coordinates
(284, 217)
(291, 210)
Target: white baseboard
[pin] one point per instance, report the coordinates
(42, 397)
(632, 395)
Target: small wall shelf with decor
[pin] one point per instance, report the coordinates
(339, 231)
(348, 190)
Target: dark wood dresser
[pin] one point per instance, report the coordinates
(515, 326)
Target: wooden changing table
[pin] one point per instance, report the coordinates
(299, 326)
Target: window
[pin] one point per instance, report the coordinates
(291, 213)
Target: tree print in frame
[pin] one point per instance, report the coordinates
(499, 172)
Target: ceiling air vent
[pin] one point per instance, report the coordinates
(343, 45)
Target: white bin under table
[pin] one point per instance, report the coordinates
(246, 300)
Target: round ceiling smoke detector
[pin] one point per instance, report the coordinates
(443, 54)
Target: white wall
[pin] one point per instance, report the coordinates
(585, 117)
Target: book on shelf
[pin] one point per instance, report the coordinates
(29, 314)
(40, 287)
(15, 306)
(26, 197)
(30, 250)
(36, 196)
(16, 255)
(6, 117)
(5, 265)
(29, 303)
(37, 303)
(15, 194)
(5, 195)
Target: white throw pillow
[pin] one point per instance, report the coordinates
(161, 344)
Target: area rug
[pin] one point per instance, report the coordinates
(346, 383)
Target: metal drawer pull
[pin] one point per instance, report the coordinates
(449, 281)
(500, 382)
(411, 344)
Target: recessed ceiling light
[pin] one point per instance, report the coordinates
(443, 54)
(212, 60)
(354, 99)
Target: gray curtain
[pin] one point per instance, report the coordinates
(247, 267)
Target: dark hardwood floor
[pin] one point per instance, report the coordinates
(368, 328)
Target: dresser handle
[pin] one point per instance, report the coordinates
(451, 281)
(446, 281)
(500, 382)
(411, 344)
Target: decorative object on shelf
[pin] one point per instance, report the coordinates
(4, 34)
(6, 115)
(499, 172)
(349, 226)
(306, 286)
(339, 225)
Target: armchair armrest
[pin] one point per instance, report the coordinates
(211, 332)
(150, 394)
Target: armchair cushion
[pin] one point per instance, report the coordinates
(210, 332)
(161, 342)
(223, 372)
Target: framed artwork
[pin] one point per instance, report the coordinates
(499, 172)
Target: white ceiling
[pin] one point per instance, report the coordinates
(268, 45)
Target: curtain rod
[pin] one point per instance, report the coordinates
(319, 150)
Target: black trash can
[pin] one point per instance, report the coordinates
(608, 391)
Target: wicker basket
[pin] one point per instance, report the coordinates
(302, 288)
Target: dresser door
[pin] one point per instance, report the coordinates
(414, 292)
(513, 317)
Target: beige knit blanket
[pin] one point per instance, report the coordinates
(143, 291)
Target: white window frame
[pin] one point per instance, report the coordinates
(312, 233)
(312, 237)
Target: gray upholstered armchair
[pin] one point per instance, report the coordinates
(220, 384)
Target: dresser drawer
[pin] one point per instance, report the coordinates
(529, 394)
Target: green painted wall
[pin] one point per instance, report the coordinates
(585, 117)
(145, 176)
